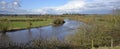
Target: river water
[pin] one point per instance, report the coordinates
(47, 32)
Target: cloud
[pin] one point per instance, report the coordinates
(103, 4)
(11, 8)
(82, 6)
(2, 4)
(73, 6)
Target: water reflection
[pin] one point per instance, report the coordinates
(4, 39)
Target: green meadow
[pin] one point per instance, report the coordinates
(13, 23)
(20, 25)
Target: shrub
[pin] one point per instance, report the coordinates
(58, 22)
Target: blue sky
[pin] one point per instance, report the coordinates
(33, 4)
(58, 7)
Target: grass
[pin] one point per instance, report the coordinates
(19, 25)
(23, 23)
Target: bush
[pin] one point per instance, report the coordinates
(58, 22)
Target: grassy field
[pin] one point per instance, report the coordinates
(16, 23)
(19, 25)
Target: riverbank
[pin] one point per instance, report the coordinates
(14, 24)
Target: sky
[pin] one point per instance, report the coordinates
(58, 7)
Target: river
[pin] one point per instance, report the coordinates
(46, 32)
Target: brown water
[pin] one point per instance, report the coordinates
(47, 32)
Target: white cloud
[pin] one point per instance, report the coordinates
(10, 8)
(3, 4)
(72, 6)
(79, 6)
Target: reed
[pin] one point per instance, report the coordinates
(4, 25)
(100, 31)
